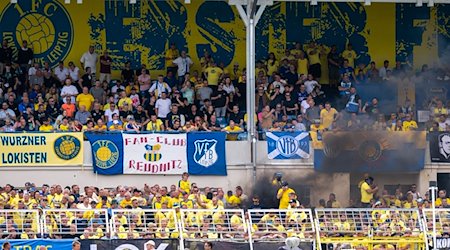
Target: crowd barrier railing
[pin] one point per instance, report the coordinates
(370, 228)
(144, 223)
(84, 223)
(340, 228)
(439, 226)
(23, 224)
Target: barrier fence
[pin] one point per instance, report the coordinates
(370, 229)
(234, 228)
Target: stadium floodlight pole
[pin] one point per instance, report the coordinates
(433, 189)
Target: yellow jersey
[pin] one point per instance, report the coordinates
(85, 100)
(350, 55)
(365, 196)
(409, 125)
(272, 66)
(302, 66)
(185, 186)
(328, 117)
(213, 75)
(284, 200)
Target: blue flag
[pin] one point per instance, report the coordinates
(287, 145)
(107, 152)
(206, 153)
(37, 243)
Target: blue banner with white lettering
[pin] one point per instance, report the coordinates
(206, 153)
(107, 152)
(36, 244)
(287, 145)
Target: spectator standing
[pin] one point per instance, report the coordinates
(328, 115)
(162, 106)
(98, 93)
(213, 75)
(25, 56)
(61, 72)
(35, 75)
(105, 67)
(283, 195)
(183, 62)
(171, 54)
(350, 55)
(220, 101)
(74, 72)
(333, 65)
(6, 54)
(127, 73)
(69, 90)
(89, 59)
(159, 87)
(368, 189)
(383, 72)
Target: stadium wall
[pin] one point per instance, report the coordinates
(299, 173)
(142, 32)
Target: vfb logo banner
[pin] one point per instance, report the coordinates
(283, 145)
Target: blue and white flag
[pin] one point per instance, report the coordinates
(206, 153)
(107, 152)
(287, 145)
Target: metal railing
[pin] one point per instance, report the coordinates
(23, 224)
(277, 224)
(342, 228)
(67, 223)
(144, 223)
(367, 228)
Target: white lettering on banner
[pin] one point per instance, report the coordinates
(154, 153)
(443, 243)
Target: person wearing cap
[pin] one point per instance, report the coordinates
(150, 245)
(131, 124)
(283, 195)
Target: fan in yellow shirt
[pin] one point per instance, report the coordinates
(409, 124)
(184, 185)
(350, 55)
(213, 74)
(283, 195)
(328, 115)
(85, 99)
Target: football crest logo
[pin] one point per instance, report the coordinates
(45, 25)
(153, 153)
(205, 152)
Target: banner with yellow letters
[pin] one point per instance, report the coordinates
(41, 149)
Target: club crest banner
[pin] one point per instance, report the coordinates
(206, 153)
(287, 145)
(117, 153)
(374, 151)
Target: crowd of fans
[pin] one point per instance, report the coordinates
(289, 94)
(83, 222)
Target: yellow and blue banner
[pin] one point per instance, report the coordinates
(41, 149)
(206, 153)
(107, 152)
(370, 151)
(287, 145)
(142, 32)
